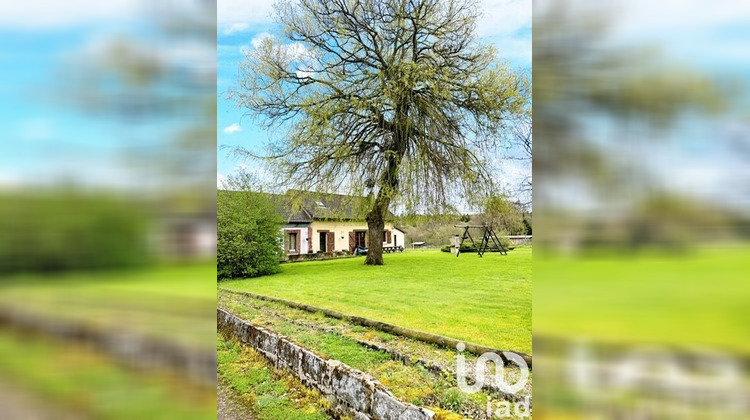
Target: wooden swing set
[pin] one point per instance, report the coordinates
(488, 234)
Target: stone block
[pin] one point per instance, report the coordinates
(289, 356)
(413, 412)
(351, 387)
(385, 406)
(267, 343)
(315, 371)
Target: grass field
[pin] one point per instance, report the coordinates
(176, 302)
(78, 379)
(697, 298)
(483, 300)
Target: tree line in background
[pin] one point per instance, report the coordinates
(507, 217)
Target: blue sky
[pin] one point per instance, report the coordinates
(44, 141)
(40, 138)
(699, 155)
(47, 137)
(506, 24)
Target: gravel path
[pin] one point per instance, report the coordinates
(228, 406)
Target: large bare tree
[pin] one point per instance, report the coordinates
(389, 99)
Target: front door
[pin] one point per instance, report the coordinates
(323, 242)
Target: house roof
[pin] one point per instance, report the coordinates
(296, 206)
(309, 206)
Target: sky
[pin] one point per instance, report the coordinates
(699, 155)
(505, 23)
(49, 138)
(45, 142)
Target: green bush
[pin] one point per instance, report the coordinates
(59, 231)
(248, 235)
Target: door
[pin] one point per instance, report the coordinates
(323, 241)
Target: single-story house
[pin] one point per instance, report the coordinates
(328, 223)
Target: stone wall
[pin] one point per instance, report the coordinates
(350, 392)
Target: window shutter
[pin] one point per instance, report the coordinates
(299, 240)
(351, 241)
(331, 242)
(388, 236)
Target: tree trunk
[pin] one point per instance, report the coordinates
(388, 188)
(376, 216)
(375, 227)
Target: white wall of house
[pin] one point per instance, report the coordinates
(310, 235)
(341, 231)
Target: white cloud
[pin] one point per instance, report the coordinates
(237, 27)
(297, 51)
(503, 17)
(687, 15)
(258, 39)
(294, 51)
(515, 49)
(231, 129)
(304, 74)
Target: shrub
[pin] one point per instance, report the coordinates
(248, 235)
(68, 230)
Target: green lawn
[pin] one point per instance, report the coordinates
(482, 300)
(698, 298)
(176, 302)
(90, 384)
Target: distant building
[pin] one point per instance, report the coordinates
(186, 235)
